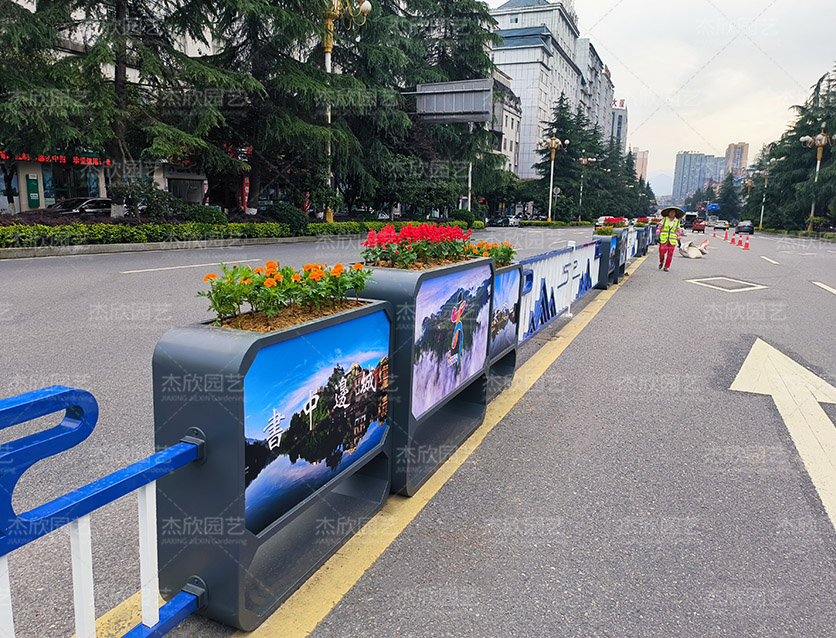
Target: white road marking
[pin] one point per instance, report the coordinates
(797, 393)
(771, 261)
(823, 286)
(214, 263)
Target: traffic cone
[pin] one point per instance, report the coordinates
(715, 232)
(746, 247)
(740, 241)
(726, 238)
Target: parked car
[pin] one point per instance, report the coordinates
(513, 221)
(77, 207)
(746, 227)
(698, 225)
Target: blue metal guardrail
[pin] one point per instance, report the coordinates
(74, 509)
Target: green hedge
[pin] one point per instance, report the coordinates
(555, 224)
(20, 236)
(477, 225)
(24, 236)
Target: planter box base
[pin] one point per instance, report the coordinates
(501, 374)
(436, 437)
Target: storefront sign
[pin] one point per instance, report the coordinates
(77, 160)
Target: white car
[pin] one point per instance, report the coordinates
(513, 221)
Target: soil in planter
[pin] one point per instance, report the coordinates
(288, 317)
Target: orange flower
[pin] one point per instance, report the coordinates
(246, 281)
(259, 271)
(210, 277)
(336, 273)
(297, 277)
(475, 251)
(271, 265)
(269, 283)
(496, 245)
(278, 278)
(308, 268)
(486, 254)
(317, 275)
(339, 268)
(358, 266)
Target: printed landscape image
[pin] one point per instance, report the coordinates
(313, 406)
(504, 321)
(451, 335)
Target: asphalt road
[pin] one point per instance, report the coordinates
(630, 493)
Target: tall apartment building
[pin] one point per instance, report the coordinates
(693, 172)
(539, 40)
(640, 158)
(597, 89)
(618, 125)
(737, 158)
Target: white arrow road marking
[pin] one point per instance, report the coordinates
(797, 393)
(824, 287)
(771, 261)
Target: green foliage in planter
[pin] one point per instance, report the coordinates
(604, 231)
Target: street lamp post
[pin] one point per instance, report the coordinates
(353, 14)
(553, 144)
(820, 141)
(584, 162)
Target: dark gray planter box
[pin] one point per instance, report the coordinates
(609, 250)
(297, 453)
(641, 239)
(504, 334)
(439, 391)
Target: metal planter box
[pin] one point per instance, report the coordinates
(297, 454)
(610, 250)
(439, 363)
(504, 333)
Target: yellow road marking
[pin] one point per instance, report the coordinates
(314, 600)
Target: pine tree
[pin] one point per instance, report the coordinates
(729, 199)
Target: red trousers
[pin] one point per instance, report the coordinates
(666, 250)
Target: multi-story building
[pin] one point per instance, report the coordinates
(640, 158)
(737, 158)
(539, 40)
(597, 89)
(618, 126)
(507, 119)
(694, 171)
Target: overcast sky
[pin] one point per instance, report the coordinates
(700, 75)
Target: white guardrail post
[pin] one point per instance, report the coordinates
(150, 584)
(7, 621)
(81, 547)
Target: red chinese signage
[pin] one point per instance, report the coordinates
(76, 160)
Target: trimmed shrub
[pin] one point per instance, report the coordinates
(285, 213)
(462, 215)
(477, 225)
(203, 214)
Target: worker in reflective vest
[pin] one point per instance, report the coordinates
(669, 231)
